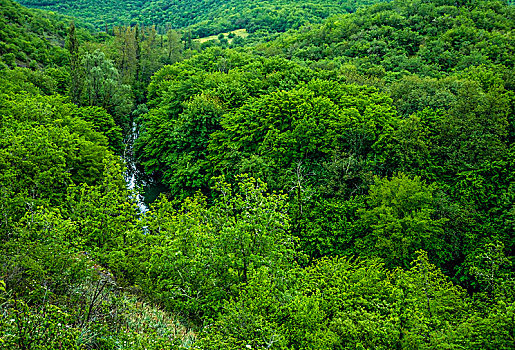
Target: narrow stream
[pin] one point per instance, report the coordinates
(131, 171)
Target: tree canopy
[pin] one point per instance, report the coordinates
(324, 175)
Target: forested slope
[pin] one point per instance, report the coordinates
(347, 185)
(28, 38)
(390, 130)
(428, 38)
(206, 16)
(58, 162)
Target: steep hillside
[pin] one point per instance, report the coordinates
(424, 37)
(55, 291)
(29, 38)
(34, 38)
(208, 16)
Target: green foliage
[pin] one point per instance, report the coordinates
(43, 149)
(27, 38)
(330, 226)
(491, 268)
(103, 213)
(344, 304)
(188, 138)
(206, 17)
(385, 137)
(45, 82)
(424, 37)
(103, 123)
(53, 81)
(37, 329)
(199, 255)
(56, 295)
(190, 99)
(401, 219)
(72, 45)
(491, 330)
(102, 87)
(271, 135)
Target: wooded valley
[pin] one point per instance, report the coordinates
(315, 175)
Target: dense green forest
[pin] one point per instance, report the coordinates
(345, 183)
(204, 17)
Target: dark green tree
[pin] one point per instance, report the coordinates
(72, 44)
(102, 87)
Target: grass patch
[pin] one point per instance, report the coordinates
(238, 32)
